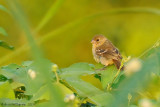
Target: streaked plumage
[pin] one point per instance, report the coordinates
(105, 52)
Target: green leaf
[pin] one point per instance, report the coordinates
(27, 63)
(149, 53)
(20, 74)
(102, 99)
(3, 32)
(119, 80)
(5, 45)
(42, 93)
(72, 76)
(85, 89)
(2, 78)
(42, 66)
(6, 91)
(108, 75)
(138, 80)
(12, 70)
(77, 69)
(154, 52)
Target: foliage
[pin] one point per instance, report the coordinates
(71, 77)
(41, 83)
(3, 32)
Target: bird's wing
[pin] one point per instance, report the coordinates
(101, 52)
(109, 53)
(116, 53)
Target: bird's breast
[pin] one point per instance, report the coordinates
(96, 57)
(106, 61)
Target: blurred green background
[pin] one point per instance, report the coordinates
(131, 32)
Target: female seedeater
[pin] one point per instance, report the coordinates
(105, 52)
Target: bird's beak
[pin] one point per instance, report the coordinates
(92, 41)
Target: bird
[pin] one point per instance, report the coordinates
(105, 52)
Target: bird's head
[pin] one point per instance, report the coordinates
(98, 40)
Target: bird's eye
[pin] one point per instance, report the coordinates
(97, 40)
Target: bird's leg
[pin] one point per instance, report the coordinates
(102, 69)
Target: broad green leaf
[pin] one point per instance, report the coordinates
(3, 32)
(6, 91)
(27, 63)
(12, 71)
(21, 75)
(151, 50)
(42, 93)
(119, 80)
(154, 52)
(42, 66)
(72, 76)
(6, 45)
(149, 53)
(77, 69)
(87, 90)
(138, 80)
(83, 88)
(102, 99)
(92, 79)
(65, 91)
(108, 75)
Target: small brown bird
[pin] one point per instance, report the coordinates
(105, 52)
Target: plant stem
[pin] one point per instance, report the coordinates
(149, 48)
(57, 78)
(115, 77)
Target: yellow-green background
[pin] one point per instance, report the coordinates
(132, 33)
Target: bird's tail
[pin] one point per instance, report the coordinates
(117, 63)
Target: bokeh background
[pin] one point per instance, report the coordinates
(131, 32)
